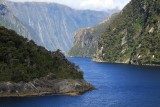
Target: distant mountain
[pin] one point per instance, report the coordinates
(133, 37)
(86, 39)
(8, 20)
(54, 23)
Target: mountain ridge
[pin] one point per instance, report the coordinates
(57, 24)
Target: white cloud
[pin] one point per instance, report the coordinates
(98, 4)
(87, 4)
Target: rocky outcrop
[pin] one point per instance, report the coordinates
(86, 39)
(43, 86)
(54, 23)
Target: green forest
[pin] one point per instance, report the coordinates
(22, 60)
(134, 35)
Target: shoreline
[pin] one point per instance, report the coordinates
(100, 61)
(42, 87)
(43, 94)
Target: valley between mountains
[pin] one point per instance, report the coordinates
(37, 37)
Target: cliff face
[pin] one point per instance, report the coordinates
(84, 46)
(86, 39)
(8, 20)
(26, 68)
(133, 37)
(55, 24)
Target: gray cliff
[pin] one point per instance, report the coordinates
(86, 39)
(9, 20)
(54, 23)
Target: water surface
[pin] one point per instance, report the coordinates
(118, 85)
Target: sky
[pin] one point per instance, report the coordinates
(99, 5)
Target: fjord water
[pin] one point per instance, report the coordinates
(118, 85)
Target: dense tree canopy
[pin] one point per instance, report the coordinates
(134, 35)
(23, 60)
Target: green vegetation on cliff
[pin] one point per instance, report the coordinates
(23, 60)
(134, 35)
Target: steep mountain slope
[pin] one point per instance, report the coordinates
(26, 68)
(134, 35)
(8, 20)
(86, 39)
(1, 1)
(54, 23)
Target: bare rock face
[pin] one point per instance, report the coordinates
(85, 43)
(86, 39)
(45, 85)
(54, 23)
(10, 21)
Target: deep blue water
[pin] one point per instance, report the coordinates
(118, 85)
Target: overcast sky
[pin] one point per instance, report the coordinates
(87, 4)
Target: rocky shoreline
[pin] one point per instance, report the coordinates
(45, 86)
(102, 61)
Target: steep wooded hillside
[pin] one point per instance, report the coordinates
(134, 35)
